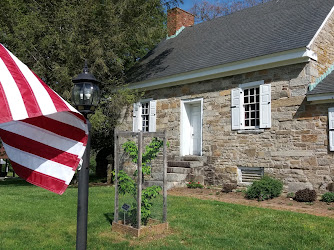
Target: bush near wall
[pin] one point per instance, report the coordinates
(328, 197)
(306, 195)
(264, 189)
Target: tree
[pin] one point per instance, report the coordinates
(205, 10)
(55, 37)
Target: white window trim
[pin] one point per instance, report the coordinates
(137, 119)
(237, 107)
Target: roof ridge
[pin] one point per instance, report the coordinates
(322, 77)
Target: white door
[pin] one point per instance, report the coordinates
(195, 129)
(191, 128)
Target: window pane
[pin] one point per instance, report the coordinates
(251, 107)
(145, 116)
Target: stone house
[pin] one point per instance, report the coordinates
(243, 95)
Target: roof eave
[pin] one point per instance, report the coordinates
(320, 98)
(294, 56)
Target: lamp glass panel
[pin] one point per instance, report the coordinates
(77, 94)
(87, 93)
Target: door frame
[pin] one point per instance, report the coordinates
(184, 125)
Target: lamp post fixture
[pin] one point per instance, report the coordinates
(85, 96)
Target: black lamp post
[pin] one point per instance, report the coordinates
(85, 96)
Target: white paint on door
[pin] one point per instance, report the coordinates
(195, 129)
(191, 127)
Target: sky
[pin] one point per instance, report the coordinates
(187, 4)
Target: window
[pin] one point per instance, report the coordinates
(248, 175)
(331, 128)
(144, 116)
(251, 106)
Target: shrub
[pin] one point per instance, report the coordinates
(192, 184)
(328, 197)
(228, 187)
(305, 195)
(264, 189)
(290, 195)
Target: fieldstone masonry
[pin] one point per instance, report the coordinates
(294, 149)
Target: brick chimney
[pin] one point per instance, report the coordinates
(176, 18)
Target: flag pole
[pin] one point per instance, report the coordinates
(82, 212)
(85, 96)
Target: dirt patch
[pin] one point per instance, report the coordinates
(318, 208)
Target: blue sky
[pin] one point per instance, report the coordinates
(187, 4)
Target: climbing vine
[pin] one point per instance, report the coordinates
(150, 153)
(128, 185)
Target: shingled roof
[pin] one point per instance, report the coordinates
(272, 27)
(325, 86)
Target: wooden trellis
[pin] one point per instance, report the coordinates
(140, 136)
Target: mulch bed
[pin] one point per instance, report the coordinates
(318, 208)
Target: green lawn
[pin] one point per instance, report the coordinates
(32, 218)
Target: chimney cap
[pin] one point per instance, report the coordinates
(177, 8)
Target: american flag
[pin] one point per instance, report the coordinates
(44, 136)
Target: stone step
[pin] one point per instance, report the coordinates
(178, 170)
(193, 158)
(182, 164)
(170, 185)
(196, 164)
(171, 177)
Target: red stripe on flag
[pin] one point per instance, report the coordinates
(57, 101)
(42, 180)
(5, 114)
(27, 94)
(59, 128)
(39, 149)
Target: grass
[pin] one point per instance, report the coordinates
(32, 218)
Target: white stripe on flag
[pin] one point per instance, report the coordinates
(44, 136)
(44, 101)
(12, 92)
(40, 165)
(70, 119)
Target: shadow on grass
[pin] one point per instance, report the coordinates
(15, 181)
(109, 217)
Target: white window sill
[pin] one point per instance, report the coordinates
(250, 131)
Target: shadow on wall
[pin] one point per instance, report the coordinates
(318, 113)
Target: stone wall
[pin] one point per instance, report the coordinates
(294, 149)
(323, 47)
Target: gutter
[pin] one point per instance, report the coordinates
(300, 55)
